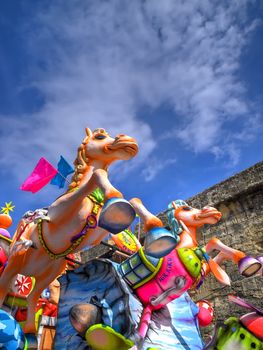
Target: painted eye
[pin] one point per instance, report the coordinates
(186, 208)
(100, 137)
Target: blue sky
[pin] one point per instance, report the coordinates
(183, 77)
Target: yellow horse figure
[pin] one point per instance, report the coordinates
(71, 221)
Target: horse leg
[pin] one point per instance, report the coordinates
(98, 179)
(102, 181)
(158, 241)
(248, 266)
(11, 270)
(229, 253)
(42, 282)
(149, 220)
(145, 321)
(219, 258)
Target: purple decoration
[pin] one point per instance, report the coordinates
(91, 222)
(241, 302)
(5, 233)
(249, 266)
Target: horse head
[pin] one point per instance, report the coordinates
(99, 146)
(193, 217)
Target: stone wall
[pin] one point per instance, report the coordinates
(240, 199)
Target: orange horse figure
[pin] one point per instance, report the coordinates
(184, 221)
(171, 263)
(39, 247)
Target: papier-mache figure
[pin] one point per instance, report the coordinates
(74, 221)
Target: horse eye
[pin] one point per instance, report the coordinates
(186, 208)
(100, 137)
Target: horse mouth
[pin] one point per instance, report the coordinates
(127, 146)
(211, 214)
(132, 149)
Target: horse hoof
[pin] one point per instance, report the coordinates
(260, 259)
(249, 266)
(31, 340)
(116, 215)
(101, 337)
(159, 242)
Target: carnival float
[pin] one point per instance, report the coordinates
(52, 300)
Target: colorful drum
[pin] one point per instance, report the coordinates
(159, 281)
(169, 283)
(116, 215)
(159, 242)
(139, 269)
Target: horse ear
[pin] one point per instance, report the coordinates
(88, 132)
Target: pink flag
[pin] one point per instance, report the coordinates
(41, 175)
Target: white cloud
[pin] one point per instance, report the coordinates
(228, 152)
(96, 63)
(154, 166)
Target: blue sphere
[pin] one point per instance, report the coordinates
(11, 334)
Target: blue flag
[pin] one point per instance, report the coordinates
(64, 169)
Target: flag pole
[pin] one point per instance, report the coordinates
(64, 177)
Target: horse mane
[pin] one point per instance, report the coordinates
(80, 163)
(175, 226)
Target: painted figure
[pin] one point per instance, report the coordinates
(157, 281)
(71, 222)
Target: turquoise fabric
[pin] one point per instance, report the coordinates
(175, 327)
(11, 334)
(99, 282)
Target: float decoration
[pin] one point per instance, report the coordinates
(7, 208)
(186, 220)
(205, 314)
(39, 249)
(40, 176)
(95, 294)
(23, 285)
(5, 237)
(11, 334)
(64, 169)
(127, 242)
(44, 172)
(242, 333)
